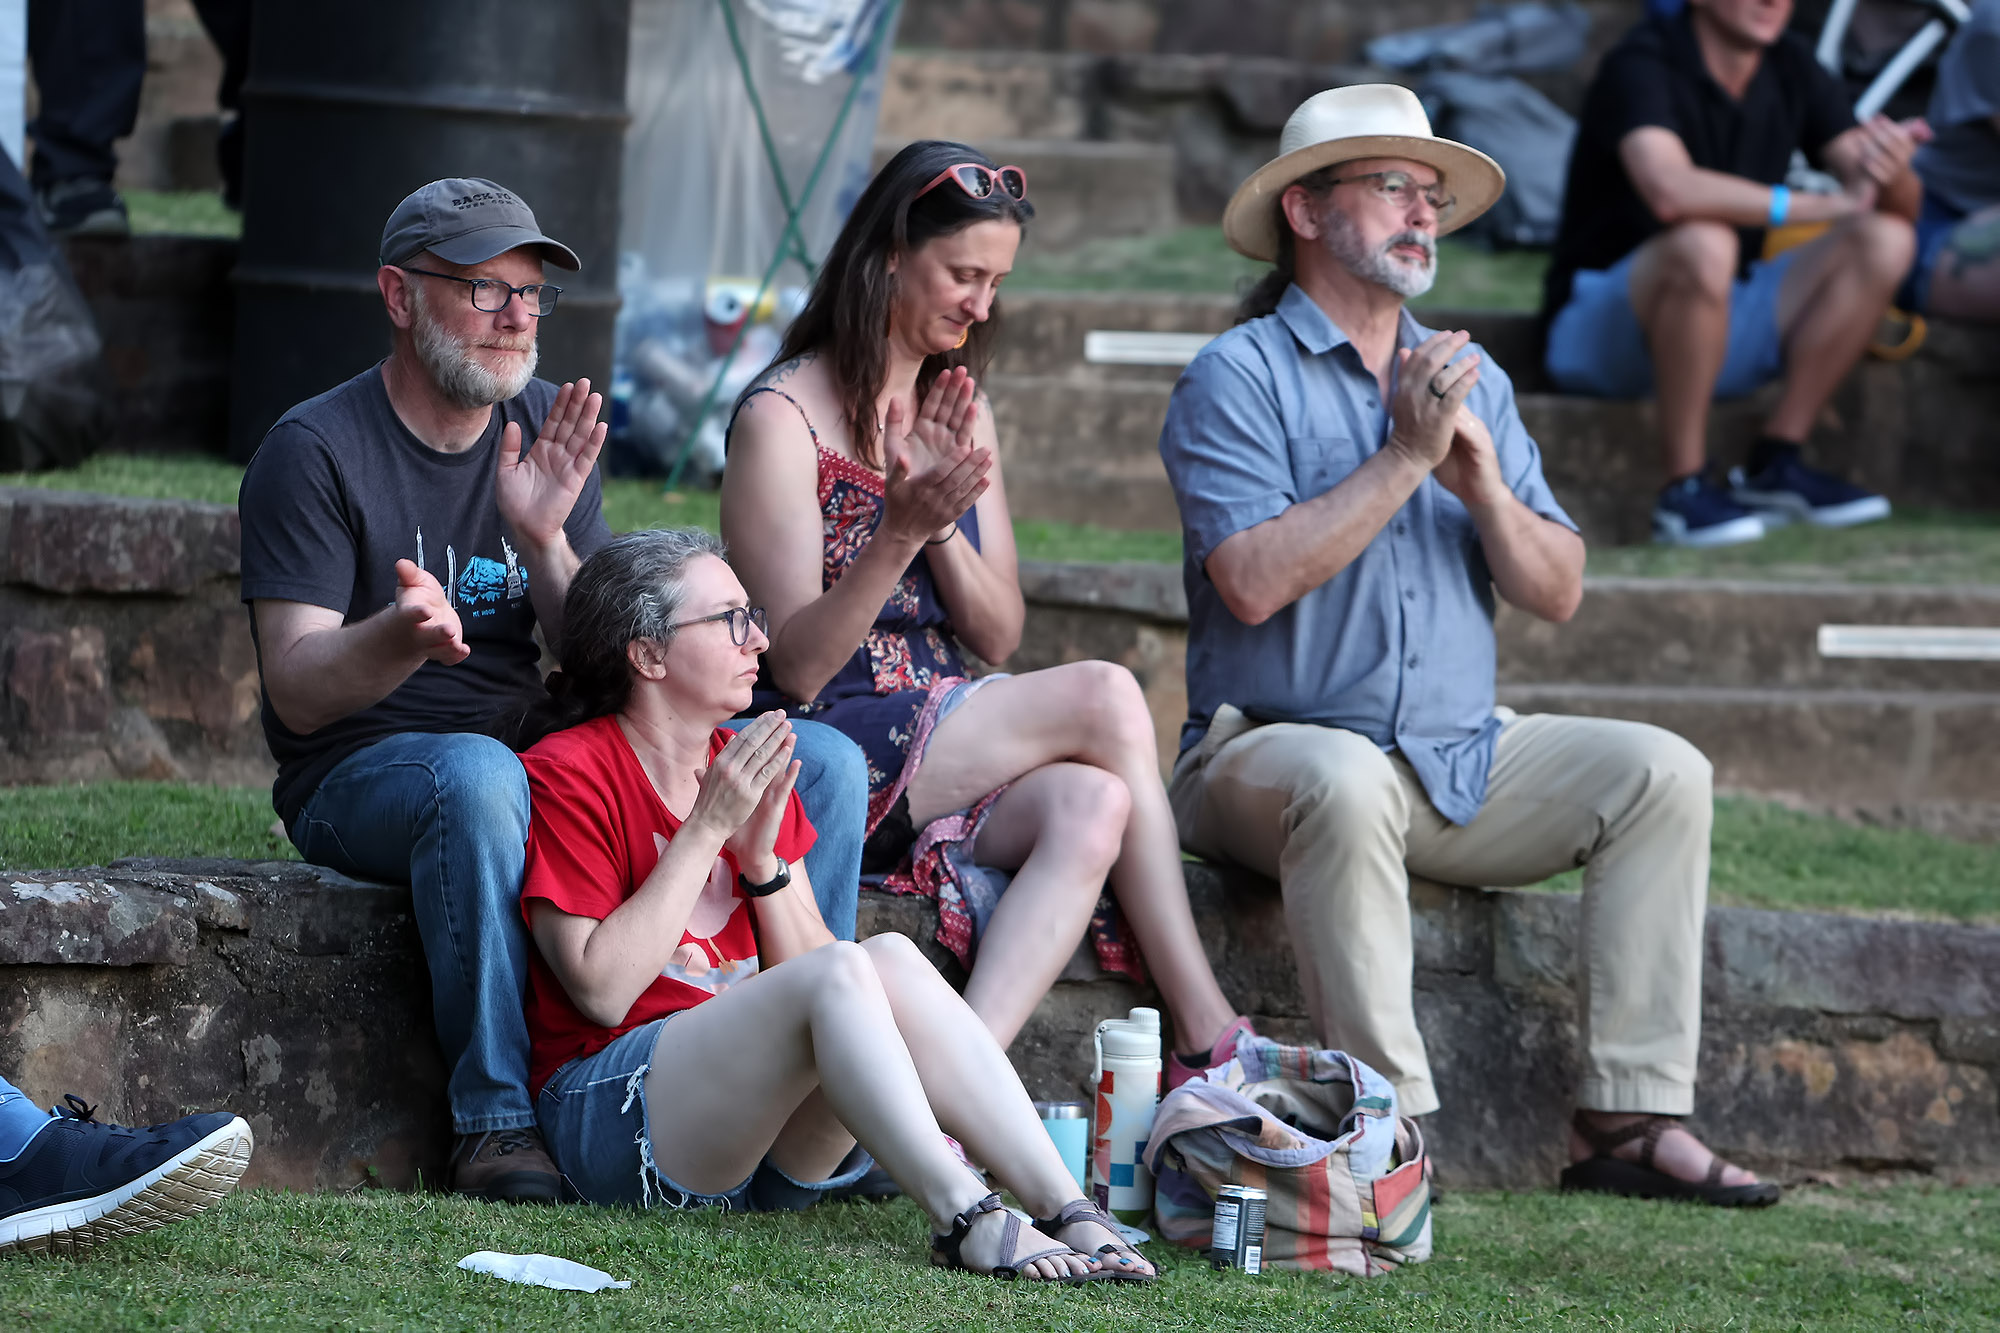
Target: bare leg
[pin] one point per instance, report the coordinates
(1680, 287)
(1966, 282)
(1087, 713)
(975, 1092)
(1828, 306)
(729, 1075)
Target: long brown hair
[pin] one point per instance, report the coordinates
(1263, 296)
(846, 319)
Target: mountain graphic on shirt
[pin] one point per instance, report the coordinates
(482, 586)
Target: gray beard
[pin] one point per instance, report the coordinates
(1343, 241)
(449, 362)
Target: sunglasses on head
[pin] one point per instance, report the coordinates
(980, 181)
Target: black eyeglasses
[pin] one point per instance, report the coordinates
(491, 295)
(740, 619)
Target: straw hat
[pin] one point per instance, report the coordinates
(1340, 125)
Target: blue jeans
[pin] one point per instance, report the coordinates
(20, 1121)
(448, 815)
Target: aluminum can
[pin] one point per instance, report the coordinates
(1238, 1240)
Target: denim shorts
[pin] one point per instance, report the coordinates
(1597, 348)
(592, 1113)
(1935, 225)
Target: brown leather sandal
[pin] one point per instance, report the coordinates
(1083, 1210)
(1605, 1174)
(945, 1249)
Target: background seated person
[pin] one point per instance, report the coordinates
(1656, 289)
(1957, 271)
(699, 1035)
(1355, 490)
(866, 509)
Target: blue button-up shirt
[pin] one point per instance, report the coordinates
(1398, 646)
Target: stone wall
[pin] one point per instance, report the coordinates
(124, 652)
(298, 999)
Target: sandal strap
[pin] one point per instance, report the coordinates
(1088, 1210)
(948, 1246)
(1604, 1141)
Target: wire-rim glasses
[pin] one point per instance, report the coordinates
(1401, 189)
(539, 296)
(740, 619)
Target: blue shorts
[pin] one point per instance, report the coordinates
(1935, 225)
(1597, 349)
(592, 1114)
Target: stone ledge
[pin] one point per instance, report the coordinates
(73, 542)
(300, 999)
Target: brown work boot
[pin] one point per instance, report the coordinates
(505, 1166)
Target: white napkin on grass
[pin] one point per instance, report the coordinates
(539, 1270)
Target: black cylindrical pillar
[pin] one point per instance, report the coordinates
(350, 106)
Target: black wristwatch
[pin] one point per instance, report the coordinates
(769, 886)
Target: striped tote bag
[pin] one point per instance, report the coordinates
(1317, 1131)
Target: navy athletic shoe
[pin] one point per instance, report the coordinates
(82, 208)
(1785, 489)
(79, 1183)
(1694, 511)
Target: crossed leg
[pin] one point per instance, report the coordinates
(854, 1037)
(1076, 741)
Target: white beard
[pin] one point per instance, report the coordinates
(450, 363)
(1343, 241)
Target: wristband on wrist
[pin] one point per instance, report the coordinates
(1781, 204)
(769, 886)
(940, 541)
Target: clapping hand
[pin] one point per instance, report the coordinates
(428, 615)
(1430, 390)
(1470, 469)
(536, 493)
(934, 470)
(1887, 147)
(744, 789)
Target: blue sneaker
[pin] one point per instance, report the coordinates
(1694, 511)
(1785, 490)
(79, 1182)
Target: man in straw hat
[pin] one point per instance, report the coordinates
(1352, 488)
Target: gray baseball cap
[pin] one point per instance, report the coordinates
(466, 221)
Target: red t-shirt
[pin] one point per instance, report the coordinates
(596, 830)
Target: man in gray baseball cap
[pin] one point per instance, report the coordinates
(400, 548)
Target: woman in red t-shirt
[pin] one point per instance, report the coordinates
(698, 1034)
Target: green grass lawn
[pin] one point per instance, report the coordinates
(1860, 1259)
(180, 213)
(1764, 855)
(1915, 546)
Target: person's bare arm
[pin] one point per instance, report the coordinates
(536, 493)
(318, 670)
(1265, 568)
(771, 520)
(1536, 563)
(1676, 190)
(981, 589)
(606, 965)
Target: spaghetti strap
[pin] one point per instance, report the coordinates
(771, 388)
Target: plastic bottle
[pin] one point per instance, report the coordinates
(1126, 1077)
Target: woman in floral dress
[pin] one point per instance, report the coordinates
(864, 508)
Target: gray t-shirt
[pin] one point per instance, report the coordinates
(337, 493)
(1961, 166)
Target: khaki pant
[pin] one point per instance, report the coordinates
(1341, 825)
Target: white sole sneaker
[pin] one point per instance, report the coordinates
(1670, 529)
(1780, 507)
(190, 1182)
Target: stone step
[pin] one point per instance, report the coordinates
(1083, 190)
(1731, 667)
(299, 999)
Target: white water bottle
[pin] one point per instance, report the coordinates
(1126, 1083)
